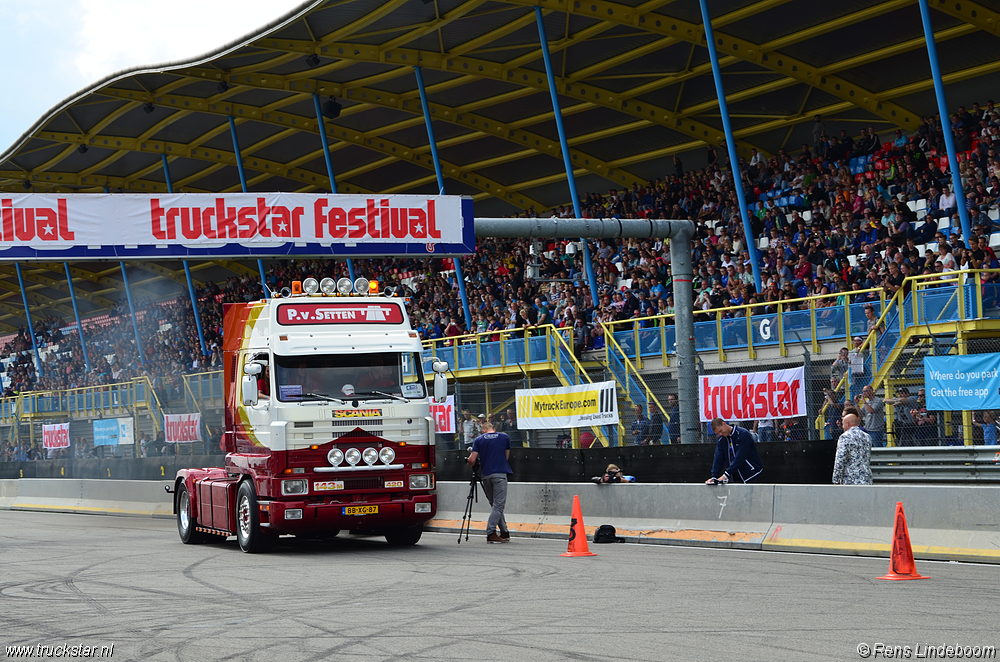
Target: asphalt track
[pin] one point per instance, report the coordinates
(88, 579)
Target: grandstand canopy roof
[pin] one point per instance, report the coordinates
(634, 80)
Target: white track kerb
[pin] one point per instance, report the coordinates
(946, 523)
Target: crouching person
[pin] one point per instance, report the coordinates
(736, 457)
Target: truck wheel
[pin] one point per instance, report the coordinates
(187, 523)
(252, 540)
(404, 537)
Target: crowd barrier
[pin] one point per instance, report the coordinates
(946, 523)
(101, 497)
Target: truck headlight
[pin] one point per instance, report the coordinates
(335, 457)
(387, 455)
(370, 456)
(353, 456)
(296, 486)
(296, 513)
(419, 508)
(420, 481)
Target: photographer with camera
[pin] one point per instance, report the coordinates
(493, 450)
(613, 475)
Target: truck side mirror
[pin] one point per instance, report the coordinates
(440, 387)
(252, 369)
(249, 390)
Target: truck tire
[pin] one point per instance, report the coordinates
(404, 537)
(187, 523)
(252, 540)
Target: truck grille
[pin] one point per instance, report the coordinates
(363, 483)
(355, 422)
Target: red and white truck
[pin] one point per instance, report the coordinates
(327, 422)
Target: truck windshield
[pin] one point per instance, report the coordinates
(354, 376)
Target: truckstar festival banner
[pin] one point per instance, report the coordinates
(956, 383)
(567, 407)
(52, 226)
(443, 414)
(114, 432)
(753, 396)
(55, 436)
(182, 428)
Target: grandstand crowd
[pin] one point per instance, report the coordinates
(846, 214)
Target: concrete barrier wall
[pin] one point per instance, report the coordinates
(118, 497)
(945, 522)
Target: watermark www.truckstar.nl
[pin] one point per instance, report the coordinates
(926, 651)
(60, 650)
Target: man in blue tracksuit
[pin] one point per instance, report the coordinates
(736, 457)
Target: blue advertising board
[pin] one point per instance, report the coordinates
(956, 383)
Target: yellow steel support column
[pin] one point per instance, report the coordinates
(847, 320)
(812, 325)
(718, 336)
(663, 341)
(479, 353)
(781, 331)
(963, 348)
(750, 350)
(979, 295)
(635, 341)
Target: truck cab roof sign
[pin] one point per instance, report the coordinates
(291, 314)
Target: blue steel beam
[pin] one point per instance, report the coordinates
(187, 269)
(734, 163)
(76, 314)
(949, 141)
(27, 315)
(440, 180)
(243, 185)
(131, 309)
(564, 146)
(329, 164)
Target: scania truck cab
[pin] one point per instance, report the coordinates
(327, 422)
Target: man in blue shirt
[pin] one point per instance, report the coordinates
(736, 456)
(493, 448)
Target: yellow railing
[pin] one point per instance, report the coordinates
(451, 349)
(610, 344)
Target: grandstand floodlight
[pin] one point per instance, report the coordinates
(344, 285)
(328, 286)
(331, 109)
(222, 87)
(310, 286)
(82, 149)
(149, 107)
(312, 60)
(361, 286)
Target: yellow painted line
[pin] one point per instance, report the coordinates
(658, 534)
(89, 509)
(836, 545)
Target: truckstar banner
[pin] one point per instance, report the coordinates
(114, 432)
(567, 407)
(956, 383)
(182, 428)
(55, 436)
(443, 414)
(753, 396)
(99, 226)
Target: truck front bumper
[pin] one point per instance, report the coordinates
(322, 517)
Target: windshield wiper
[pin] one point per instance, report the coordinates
(320, 396)
(383, 394)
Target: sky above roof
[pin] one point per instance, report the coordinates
(53, 49)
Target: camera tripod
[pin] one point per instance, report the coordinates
(473, 496)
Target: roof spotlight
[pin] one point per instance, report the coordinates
(310, 286)
(361, 285)
(331, 109)
(149, 107)
(312, 60)
(285, 293)
(344, 285)
(328, 286)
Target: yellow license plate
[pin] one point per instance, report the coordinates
(360, 510)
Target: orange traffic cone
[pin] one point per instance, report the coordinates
(901, 565)
(577, 533)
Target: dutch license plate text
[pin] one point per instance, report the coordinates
(360, 510)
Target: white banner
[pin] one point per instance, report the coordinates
(753, 396)
(55, 436)
(182, 428)
(443, 414)
(567, 407)
(47, 221)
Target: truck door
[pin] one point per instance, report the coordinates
(258, 416)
